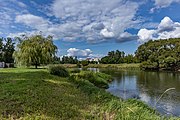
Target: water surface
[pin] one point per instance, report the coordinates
(147, 86)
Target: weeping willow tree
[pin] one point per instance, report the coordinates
(35, 50)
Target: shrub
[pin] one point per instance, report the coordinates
(147, 65)
(98, 79)
(84, 63)
(79, 65)
(59, 71)
(75, 70)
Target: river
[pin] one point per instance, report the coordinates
(147, 87)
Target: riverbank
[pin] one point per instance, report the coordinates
(119, 66)
(35, 94)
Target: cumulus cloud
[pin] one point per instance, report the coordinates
(98, 21)
(166, 29)
(106, 33)
(166, 25)
(145, 35)
(78, 52)
(89, 20)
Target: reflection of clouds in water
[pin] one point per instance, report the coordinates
(168, 107)
(124, 94)
(129, 84)
(144, 97)
(94, 69)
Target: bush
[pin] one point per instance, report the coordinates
(79, 65)
(59, 71)
(98, 79)
(75, 70)
(84, 63)
(147, 65)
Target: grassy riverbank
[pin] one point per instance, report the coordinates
(119, 66)
(35, 94)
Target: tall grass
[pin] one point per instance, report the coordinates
(35, 94)
(98, 79)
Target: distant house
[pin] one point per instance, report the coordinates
(2, 64)
(93, 60)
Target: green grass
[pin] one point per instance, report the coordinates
(98, 79)
(118, 66)
(35, 94)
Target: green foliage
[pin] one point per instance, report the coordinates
(69, 60)
(58, 70)
(163, 53)
(35, 50)
(79, 65)
(84, 63)
(98, 79)
(117, 57)
(6, 50)
(170, 62)
(147, 65)
(75, 70)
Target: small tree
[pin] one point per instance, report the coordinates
(35, 50)
(6, 50)
(84, 63)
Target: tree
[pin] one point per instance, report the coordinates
(35, 50)
(69, 60)
(117, 57)
(161, 54)
(84, 63)
(1, 49)
(6, 50)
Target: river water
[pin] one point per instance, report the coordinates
(147, 87)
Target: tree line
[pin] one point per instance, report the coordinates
(37, 49)
(7, 48)
(65, 60)
(118, 57)
(160, 54)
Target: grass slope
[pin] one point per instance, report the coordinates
(35, 94)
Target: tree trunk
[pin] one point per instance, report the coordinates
(36, 65)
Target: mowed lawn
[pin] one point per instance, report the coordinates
(35, 94)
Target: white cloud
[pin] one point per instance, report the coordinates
(166, 25)
(106, 33)
(96, 55)
(89, 20)
(78, 52)
(32, 21)
(126, 37)
(166, 29)
(163, 4)
(145, 35)
(96, 21)
(21, 4)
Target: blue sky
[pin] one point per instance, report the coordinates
(91, 28)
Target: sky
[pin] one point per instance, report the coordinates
(92, 28)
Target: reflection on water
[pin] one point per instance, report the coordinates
(147, 86)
